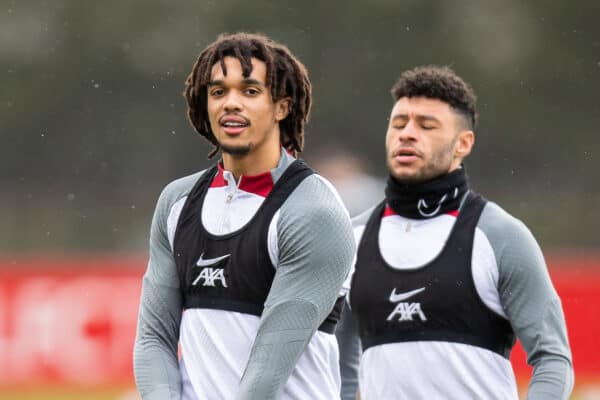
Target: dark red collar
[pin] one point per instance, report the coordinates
(260, 184)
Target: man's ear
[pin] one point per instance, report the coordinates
(282, 108)
(464, 144)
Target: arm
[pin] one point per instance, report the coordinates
(315, 253)
(532, 305)
(347, 330)
(350, 351)
(155, 351)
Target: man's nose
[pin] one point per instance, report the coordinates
(409, 132)
(232, 102)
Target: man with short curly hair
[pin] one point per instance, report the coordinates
(247, 258)
(445, 280)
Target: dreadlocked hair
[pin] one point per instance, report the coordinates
(286, 78)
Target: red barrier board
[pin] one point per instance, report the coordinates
(72, 320)
(577, 281)
(69, 321)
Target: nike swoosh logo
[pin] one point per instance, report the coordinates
(396, 297)
(205, 262)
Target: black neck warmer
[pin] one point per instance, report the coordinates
(427, 199)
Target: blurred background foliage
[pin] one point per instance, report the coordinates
(93, 124)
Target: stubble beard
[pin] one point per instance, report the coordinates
(237, 151)
(439, 164)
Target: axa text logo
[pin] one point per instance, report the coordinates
(404, 311)
(209, 275)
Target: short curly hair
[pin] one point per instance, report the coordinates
(286, 77)
(440, 83)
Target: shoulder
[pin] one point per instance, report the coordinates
(178, 189)
(359, 223)
(315, 194)
(314, 222)
(360, 220)
(315, 205)
(499, 225)
(513, 243)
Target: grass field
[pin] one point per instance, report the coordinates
(61, 393)
(588, 391)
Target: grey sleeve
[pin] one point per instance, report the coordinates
(350, 352)
(347, 331)
(316, 249)
(155, 361)
(531, 304)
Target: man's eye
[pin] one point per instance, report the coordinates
(427, 127)
(252, 91)
(217, 92)
(399, 126)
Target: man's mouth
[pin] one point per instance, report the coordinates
(233, 124)
(406, 155)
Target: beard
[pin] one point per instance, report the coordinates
(439, 164)
(239, 151)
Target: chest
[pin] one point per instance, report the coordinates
(227, 268)
(414, 271)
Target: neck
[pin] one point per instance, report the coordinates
(253, 163)
(427, 199)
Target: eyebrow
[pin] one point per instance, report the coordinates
(215, 83)
(250, 81)
(419, 117)
(245, 81)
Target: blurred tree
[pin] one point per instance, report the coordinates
(93, 123)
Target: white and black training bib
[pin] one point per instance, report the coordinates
(233, 272)
(436, 302)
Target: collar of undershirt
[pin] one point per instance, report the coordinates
(388, 212)
(260, 184)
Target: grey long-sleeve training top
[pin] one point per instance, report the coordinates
(315, 249)
(524, 293)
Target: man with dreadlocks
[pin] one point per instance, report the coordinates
(247, 258)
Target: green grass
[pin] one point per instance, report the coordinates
(61, 393)
(582, 392)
